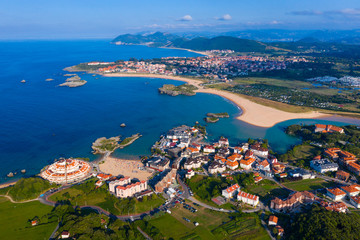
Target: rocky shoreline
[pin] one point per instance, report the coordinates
(172, 90)
(73, 81)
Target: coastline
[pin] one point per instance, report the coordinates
(252, 113)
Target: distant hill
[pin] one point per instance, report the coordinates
(159, 39)
(156, 39)
(220, 43)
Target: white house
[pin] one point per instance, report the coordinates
(324, 165)
(273, 220)
(264, 165)
(190, 173)
(355, 201)
(208, 149)
(248, 198)
(247, 163)
(336, 194)
(351, 190)
(216, 167)
(231, 191)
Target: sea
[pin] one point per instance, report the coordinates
(41, 122)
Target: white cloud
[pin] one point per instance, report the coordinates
(186, 18)
(225, 17)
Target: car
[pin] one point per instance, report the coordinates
(186, 219)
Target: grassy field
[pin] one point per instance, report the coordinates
(247, 227)
(267, 190)
(174, 226)
(308, 184)
(14, 220)
(87, 194)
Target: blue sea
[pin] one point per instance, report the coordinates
(41, 122)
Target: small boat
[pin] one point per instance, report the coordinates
(123, 125)
(23, 81)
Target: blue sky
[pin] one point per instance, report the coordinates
(22, 19)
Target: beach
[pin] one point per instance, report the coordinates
(252, 113)
(129, 168)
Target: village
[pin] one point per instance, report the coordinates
(182, 154)
(210, 67)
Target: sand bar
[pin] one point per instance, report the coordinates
(252, 113)
(130, 168)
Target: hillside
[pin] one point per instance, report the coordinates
(156, 39)
(220, 43)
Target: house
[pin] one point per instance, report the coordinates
(280, 230)
(158, 163)
(327, 128)
(193, 150)
(334, 206)
(223, 142)
(190, 173)
(131, 189)
(234, 157)
(249, 154)
(283, 175)
(258, 179)
(216, 167)
(65, 234)
(34, 222)
(232, 165)
(192, 163)
(264, 165)
(324, 165)
(248, 198)
(272, 159)
(294, 200)
(231, 191)
(259, 151)
(208, 149)
(354, 167)
(351, 190)
(335, 194)
(355, 201)
(342, 175)
(166, 181)
(278, 168)
(120, 182)
(103, 176)
(273, 220)
(247, 163)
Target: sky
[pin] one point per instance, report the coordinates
(47, 19)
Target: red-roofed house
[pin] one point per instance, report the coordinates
(247, 163)
(355, 201)
(264, 165)
(232, 165)
(351, 190)
(65, 234)
(273, 220)
(354, 167)
(208, 149)
(248, 198)
(231, 191)
(342, 175)
(336, 194)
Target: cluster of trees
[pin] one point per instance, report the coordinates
(351, 138)
(207, 188)
(29, 188)
(87, 224)
(318, 223)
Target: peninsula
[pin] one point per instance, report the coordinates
(172, 90)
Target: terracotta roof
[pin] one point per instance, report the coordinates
(336, 192)
(350, 189)
(273, 218)
(232, 188)
(248, 196)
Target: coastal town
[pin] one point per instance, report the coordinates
(183, 157)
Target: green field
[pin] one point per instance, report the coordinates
(174, 226)
(14, 220)
(308, 184)
(88, 194)
(267, 190)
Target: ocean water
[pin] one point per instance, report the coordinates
(41, 122)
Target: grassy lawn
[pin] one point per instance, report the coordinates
(87, 194)
(211, 225)
(267, 190)
(174, 226)
(14, 220)
(303, 151)
(308, 184)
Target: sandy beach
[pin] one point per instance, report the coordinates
(253, 113)
(130, 168)
(4, 185)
